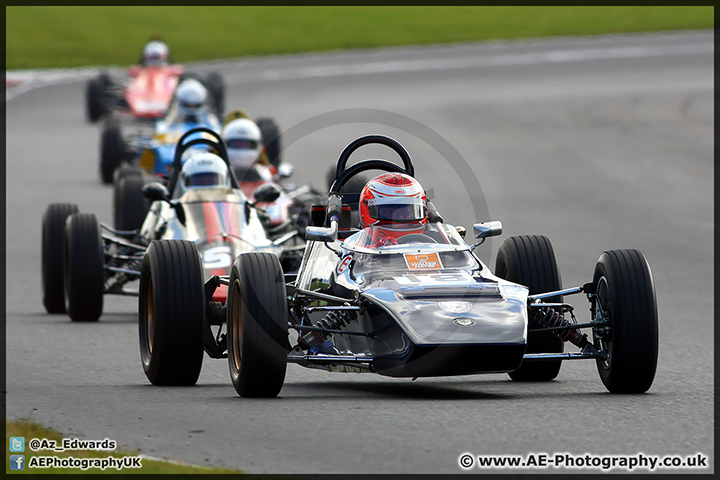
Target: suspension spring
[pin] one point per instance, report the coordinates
(550, 318)
(334, 320)
(129, 264)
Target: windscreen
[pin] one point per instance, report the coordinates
(383, 238)
(418, 248)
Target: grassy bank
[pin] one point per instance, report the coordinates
(51, 36)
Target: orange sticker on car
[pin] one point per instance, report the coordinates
(423, 261)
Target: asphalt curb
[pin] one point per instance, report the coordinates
(20, 81)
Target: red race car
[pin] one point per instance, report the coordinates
(150, 88)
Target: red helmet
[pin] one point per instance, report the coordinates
(392, 198)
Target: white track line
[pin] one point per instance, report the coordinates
(30, 79)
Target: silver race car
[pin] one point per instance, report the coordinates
(83, 259)
(423, 305)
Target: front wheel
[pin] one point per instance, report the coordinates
(216, 87)
(530, 260)
(84, 267)
(126, 170)
(53, 248)
(625, 301)
(171, 313)
(113, 149)
(257, 325)
(129, 204)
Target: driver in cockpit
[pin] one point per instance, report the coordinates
(394, 209)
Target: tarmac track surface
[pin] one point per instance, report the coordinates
(598, 142)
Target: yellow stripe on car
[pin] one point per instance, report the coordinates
(147, 161)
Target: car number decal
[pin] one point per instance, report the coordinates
(423, 261)
(218, 257)
(344, 264)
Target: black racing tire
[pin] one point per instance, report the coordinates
(53, 249)
(105, 82)
(216, 88)
(126, 170)
(530, 260)
(113, 149)
(625, 292)
(271, 139)
(129, 204)
(84, 267)
(257, 325)
(94, 101)
(171, 313)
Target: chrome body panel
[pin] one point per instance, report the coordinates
(456, 318)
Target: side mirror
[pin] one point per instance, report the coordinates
(179, 211)
(433, 214)
(267, 193)
(155, 191)
(285, 170)
(322, 234)
(487, 229)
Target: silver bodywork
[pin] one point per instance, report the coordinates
(219, 223)
(464, 307)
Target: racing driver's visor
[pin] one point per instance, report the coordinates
(241, 143)
(204, 179)
(397, 209)
(191, 106)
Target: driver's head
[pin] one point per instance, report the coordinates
(392, 198)
(191, 97)
(156, 53)
(243, 140)
(204, 170)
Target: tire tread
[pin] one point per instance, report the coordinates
(84, 272)
(633, 314)
(530, 261)
(53, 248)
(265, 345)
(173, 267)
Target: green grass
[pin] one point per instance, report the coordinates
(52, 36)
(30, 430)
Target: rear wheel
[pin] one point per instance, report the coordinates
(84, 262)
(126, 170)
(53, 241)
(105, 82)
(94, 101)
(625, 299)
(129, 204)
(172, 313)
(257, 325)
(271, 139)
(530, 260)
(113, 149)
(216, 88)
